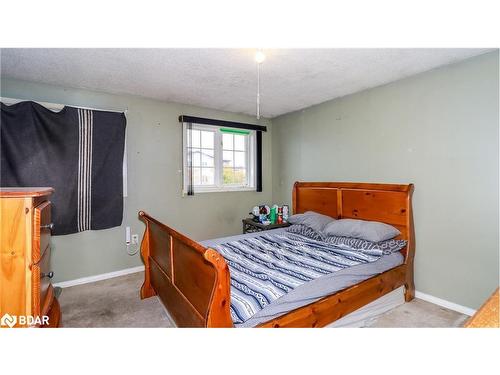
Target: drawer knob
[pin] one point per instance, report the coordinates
(50, 275)
(48, 226)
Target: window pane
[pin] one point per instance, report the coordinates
(207, 158)
(232, 156)
(196, 176)
(207, 139)
(227, 141)
(240, 142)
(195, 138)
(228, 175)
(240, 177)
(195, 153)
(227, 158)
(207, 176)
(239, 159)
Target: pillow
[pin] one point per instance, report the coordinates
(312, 220)
(364, 246)
(306, 232)
(373, 231)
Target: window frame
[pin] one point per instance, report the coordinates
(219, 186)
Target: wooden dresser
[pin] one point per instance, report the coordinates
(26, 292)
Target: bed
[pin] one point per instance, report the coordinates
(192, 279)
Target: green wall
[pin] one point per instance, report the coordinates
(438, 130)
(154, 152)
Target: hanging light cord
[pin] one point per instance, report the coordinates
(258, 91)
(259, 59)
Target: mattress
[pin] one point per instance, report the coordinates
(313, 290)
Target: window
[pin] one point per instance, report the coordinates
(223, 159)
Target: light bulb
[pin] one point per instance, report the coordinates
(260, 57)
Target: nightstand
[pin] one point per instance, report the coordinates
(250, 226)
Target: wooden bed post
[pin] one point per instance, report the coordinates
(410, 250)
(146, 289)
(219, 314)
(294, 197)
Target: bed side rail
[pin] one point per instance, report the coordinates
(192, 281)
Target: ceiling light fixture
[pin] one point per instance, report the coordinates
(259, 59)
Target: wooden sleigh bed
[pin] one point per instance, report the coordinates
(193, 281)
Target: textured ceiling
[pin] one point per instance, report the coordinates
(225, 79)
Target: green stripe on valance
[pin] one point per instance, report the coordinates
(234, 131)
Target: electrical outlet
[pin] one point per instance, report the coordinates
(135, 239)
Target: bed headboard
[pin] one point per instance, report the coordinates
(388, 203)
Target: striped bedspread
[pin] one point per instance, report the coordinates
(266, 267)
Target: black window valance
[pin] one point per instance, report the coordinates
(214, 122)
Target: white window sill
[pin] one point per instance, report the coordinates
(220, 190)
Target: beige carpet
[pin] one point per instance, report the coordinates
(116, 303)
(111, 303)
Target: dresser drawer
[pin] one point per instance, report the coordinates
(42, 227)
(42, 291)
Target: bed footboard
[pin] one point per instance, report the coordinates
(192, 281)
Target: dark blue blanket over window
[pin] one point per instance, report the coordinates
(76, 151)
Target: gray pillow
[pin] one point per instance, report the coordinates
(311, 219)
(373, 231)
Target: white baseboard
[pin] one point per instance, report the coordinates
(443, 303)
(104, 276)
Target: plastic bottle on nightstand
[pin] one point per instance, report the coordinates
(272, 215)
(262, 214)
(280, 215)
(285, 213)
